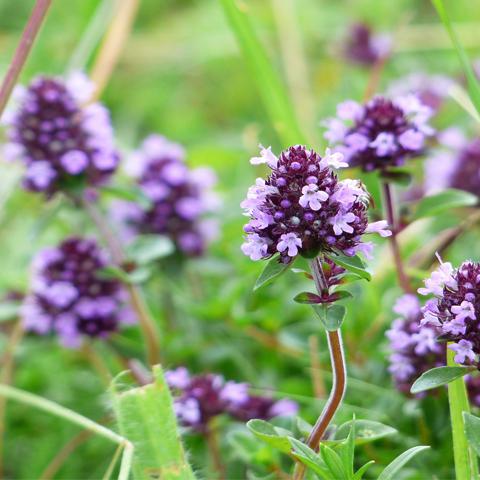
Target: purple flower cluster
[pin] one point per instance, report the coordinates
(63, 143)
(364, 47)
(454, 312)
(302, 208)
(69, 298)
(179, 197)
(381, 134)
(415, 348)
(455, 165)
(199, 398)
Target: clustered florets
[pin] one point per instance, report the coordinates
(302, 207)
(455, 310)
(179, 197)
(415, 349)
(384, 133)
(200, 398)
(364, 47)
(455, 164)
(63, 144)
(69, 298)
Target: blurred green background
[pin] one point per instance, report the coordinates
(181, 74)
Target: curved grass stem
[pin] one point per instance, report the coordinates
(29, 35)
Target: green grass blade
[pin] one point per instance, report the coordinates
(145, 416)
(57, 410)
(271, 87)
(466, 467)
(473, 85)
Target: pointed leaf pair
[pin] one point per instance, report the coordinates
(332, 316)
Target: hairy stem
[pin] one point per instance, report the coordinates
(23, 49)
(466, 467)
(397, 257)
(137, 301)
(339, 374)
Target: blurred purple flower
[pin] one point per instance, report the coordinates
(364, 47)
(199, 398)
(63, 143)
(303, 208)
(69, 298)
(180, 197)
(381, 134)
(414, 348)
(456, 164)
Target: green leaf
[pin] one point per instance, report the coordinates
(309, 458)
(146, 417)
(438, 376)
(472, 431)
(272, 270)
(332, 316)
(352, 264)
(473, 85)
(308, 298)
(269, 83)
(9, 311)
(147, 248)
(275, 436)
(302, 272)
(365, 431)
(394, 467)
(139, 275)
(361, 471)
(443, 201)
(333, 462)
(130, 194)
(346, 450)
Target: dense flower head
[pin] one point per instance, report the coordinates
(179, 197)
(200, 398)
(454, 311)
(381, 134)
(68, 297)
(455, 164)
(302, 207)
(62, 142)
(364, 47)
(414, 348)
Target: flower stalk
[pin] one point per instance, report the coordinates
(137, 301)
(397, 257)
(339, 374)
(466, 467)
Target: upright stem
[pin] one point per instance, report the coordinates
(397, 257)
(339, 374)
(214, 450)
(137, 301)
(23, 49)
(466, 467)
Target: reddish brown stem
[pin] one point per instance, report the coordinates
(339, 374)
(21, 53)
(397, 257)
